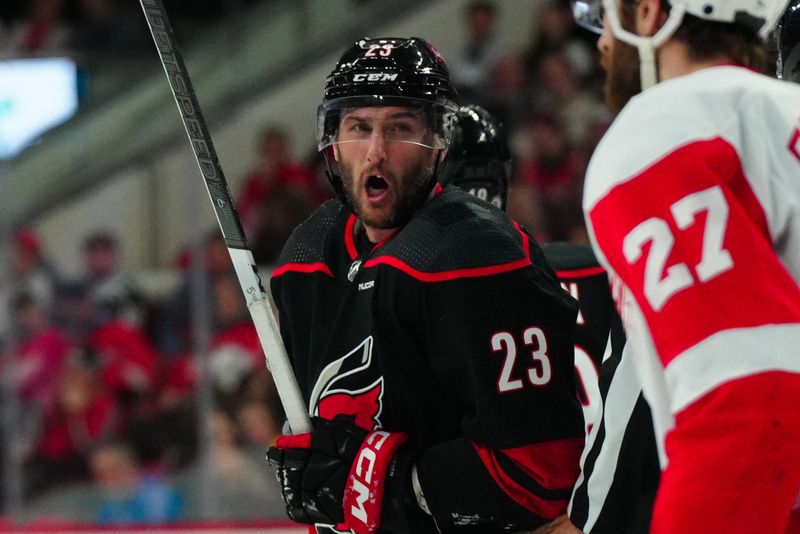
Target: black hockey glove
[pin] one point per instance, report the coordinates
(336, 474)
(312, 469)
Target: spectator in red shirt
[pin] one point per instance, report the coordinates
(276, 196)
(45, 30)
(40, 356)
(82, 416)
(236, 353)
(552, 167)
(127, 361)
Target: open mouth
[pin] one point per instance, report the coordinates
(376, 186)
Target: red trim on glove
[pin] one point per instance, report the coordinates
(298, 441)
(363, 495)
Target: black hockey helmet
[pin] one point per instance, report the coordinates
(478, 159)
(388, 71)
(788, 36)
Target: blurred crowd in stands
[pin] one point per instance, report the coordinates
(106, 380)
(108, 29)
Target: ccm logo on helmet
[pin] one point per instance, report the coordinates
(375, 77)
(365, 463)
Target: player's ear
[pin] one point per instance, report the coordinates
(649, 17)
(335, 151)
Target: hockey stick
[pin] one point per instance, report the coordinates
(259, 301)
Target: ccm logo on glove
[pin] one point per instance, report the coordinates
(363, 495)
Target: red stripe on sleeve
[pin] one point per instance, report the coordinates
(552, 465)
(580, 273)
(302, 268)
(754, 290)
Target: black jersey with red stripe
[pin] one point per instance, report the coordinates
(448, 331)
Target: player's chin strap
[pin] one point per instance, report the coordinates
(646, 45)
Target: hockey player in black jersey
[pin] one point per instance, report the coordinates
(435, 353)
(478, 159)
(620, 471)
(788, 41)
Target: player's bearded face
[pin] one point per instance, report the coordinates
(385, 180)
(621, 62)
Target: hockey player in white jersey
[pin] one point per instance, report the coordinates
(692, 200)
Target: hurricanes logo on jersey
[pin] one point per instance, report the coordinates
(353, 271)
(348, 386)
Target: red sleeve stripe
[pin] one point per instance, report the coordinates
(552, 467)
(302, 268)
(447, 275)
(580, 273)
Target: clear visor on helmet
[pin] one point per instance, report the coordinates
(392, 119)
(589, 14)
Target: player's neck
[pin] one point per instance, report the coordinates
(376, 235)
(674, 61)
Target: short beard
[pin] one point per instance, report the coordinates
(413, 190)
(623, 80)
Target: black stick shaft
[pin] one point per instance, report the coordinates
(194, 123)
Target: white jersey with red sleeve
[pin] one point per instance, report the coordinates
(692, 200)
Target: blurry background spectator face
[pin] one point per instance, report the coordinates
(101, 255)
(27, 251)
(480, 20)
(548, 138)
(218, 259)
(257, 423)
(115, 469)
(228, 301)
(275, 152)
(29, 317)
(130, 495)
(79, 386)
(555, 22)
(556, 74)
